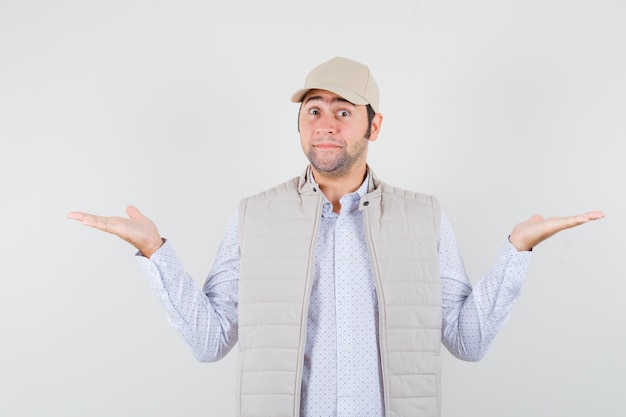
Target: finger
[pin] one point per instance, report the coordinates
(99, 222)
(85, 218)
(133, 213)
(585, 217)
(561, 223)
(76, 215)
(114, 225)
(595, 215)
(537, 218)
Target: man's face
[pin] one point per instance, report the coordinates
(332, 132)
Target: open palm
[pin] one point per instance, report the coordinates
(137, 229)
(528, 234)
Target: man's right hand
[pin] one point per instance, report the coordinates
(137, 229)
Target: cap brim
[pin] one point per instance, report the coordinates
(340, 91)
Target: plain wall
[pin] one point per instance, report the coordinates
(501, 108)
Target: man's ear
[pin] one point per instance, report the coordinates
(377, 121)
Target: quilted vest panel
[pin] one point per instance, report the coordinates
(278, 231)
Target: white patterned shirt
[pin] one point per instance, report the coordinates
(342, 373)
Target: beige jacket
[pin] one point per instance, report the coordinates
(278, 231)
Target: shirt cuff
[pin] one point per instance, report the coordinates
(164, 264)
(515, 264)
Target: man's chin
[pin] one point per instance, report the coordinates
(330, 170)
(324, 166)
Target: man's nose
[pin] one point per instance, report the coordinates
(327, 123)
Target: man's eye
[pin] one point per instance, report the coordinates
(314, 111)
(343, 113)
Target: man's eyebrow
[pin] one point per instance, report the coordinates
(335, 99)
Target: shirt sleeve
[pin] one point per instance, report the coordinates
(206, 318)
(472, 317)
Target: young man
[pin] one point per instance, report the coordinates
(338, 287)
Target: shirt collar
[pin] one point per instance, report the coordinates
(361, 191)
(350, 199)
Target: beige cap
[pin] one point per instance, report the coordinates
(345, 77)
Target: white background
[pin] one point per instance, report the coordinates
(501, 108)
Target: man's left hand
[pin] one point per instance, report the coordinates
(535, 230)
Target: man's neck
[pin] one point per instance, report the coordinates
(336, 187)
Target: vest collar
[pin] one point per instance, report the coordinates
(306, 186)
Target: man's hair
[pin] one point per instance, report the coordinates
(370, 116)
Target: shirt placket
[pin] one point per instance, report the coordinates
(357, 362)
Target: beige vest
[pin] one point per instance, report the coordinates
(278, 232)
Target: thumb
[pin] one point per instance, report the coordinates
(133, 213)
